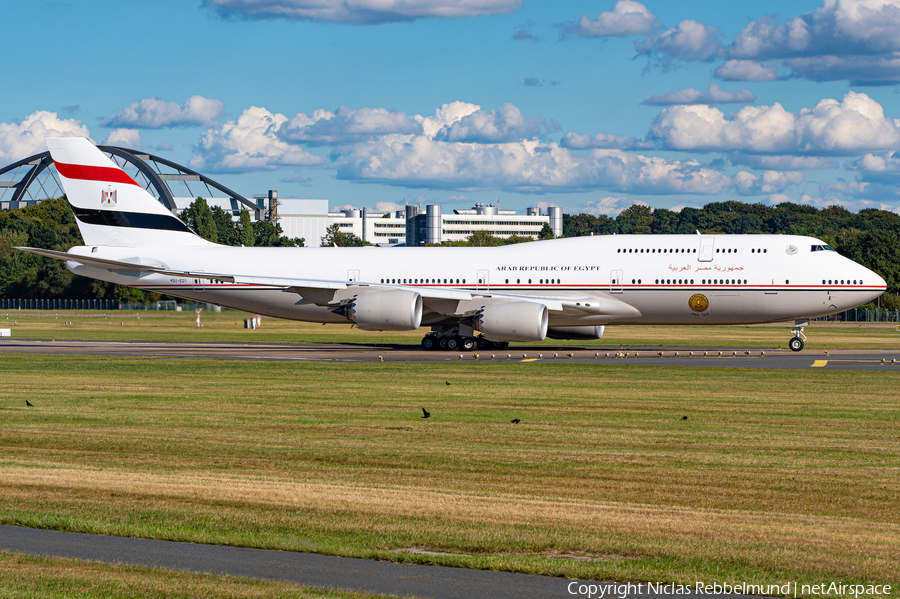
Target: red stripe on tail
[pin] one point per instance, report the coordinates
(93, 173)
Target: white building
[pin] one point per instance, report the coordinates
(310, 219)
(433, 226)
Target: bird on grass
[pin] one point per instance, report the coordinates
(426, 413)
(684, 417)
(448, 382)
(515, 421)
(29, 404)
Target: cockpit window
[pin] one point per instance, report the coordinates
(822, 248)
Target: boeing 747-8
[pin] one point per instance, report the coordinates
(562, 288)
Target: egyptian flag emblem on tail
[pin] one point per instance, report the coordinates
(108, 197)
(127, 215)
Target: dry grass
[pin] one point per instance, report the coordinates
(776, 475)
(25, 577)
(228, 327)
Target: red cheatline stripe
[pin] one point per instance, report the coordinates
(93, 173)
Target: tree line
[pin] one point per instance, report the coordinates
(870, 237)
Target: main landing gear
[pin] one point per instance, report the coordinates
(455, 342)
(796, 343)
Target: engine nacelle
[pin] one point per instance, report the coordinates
(582, 332)
(394, 310)
(513, 321)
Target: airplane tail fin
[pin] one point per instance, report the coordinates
(110, 207)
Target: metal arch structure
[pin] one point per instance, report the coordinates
(34, 166)
(147, 169)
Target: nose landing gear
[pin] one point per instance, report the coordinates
(796, 343)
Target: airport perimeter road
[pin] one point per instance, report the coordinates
(410, 580)
(714, 357)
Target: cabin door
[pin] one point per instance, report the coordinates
(707, 245)
(615, 281)
(200, 284)
(483, 280)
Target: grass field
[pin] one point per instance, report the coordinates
(775, 476)
(53, 578)
(228, 327)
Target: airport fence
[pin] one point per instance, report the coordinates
(101, 304)
(58, 304)
(863, 315)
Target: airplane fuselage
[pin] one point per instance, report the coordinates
(666, 279)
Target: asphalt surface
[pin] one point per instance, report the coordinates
(410, 580)
(711, 357)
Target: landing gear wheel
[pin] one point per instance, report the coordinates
(498, 345)
(467, 343)
(453, 343)
(429, 343)
(796, 344)
(482, 343)
(442, 343)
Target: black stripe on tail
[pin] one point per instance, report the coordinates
(139, 220)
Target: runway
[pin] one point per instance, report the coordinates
(710, 357)
(409, 580)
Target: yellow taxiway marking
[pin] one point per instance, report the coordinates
(819, 363)
(530, 360)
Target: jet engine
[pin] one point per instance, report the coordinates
(393, 310)
(582, 332)
(513, 321)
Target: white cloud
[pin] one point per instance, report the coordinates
(388, 206)
(745, 70)
(859, 70)
(153, 113)
(445, 116)
(880, 164)
(600, 140)
(855, 124)
(18, 141)
(359, 11)
(689, 40)
(521, 166)
(496, 126)
(249, 143)
(713, 95)
(843, 39)
(609, 206)
(347, 125)
(783, 163)
(627, 17)
(126, 138)
(771, 182)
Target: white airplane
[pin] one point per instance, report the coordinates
(562, 288)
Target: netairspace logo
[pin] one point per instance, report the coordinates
(589, 590)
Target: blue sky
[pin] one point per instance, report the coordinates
(588, 105)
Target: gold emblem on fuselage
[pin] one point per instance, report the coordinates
(698, 303)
